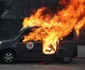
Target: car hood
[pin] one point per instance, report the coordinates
(6, 41)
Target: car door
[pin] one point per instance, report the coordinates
(29, 50)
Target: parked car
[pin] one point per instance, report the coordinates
(13, 49)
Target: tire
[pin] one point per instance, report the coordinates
(66, 60)
(8, 57)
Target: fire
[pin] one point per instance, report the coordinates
(54, 26)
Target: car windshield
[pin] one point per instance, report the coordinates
(15, 34)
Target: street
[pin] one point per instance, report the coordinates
(77, 64)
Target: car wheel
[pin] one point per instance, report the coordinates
(66, 60)
(8, 57)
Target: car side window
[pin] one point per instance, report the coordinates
(69, 36)
(25, 32)
(22, 36)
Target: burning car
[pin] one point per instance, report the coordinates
(16, 48)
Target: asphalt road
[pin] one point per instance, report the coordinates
(77, 64)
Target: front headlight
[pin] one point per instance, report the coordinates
(0, 42)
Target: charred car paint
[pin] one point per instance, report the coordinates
(14, 49)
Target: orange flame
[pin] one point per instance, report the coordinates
(55, 26)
